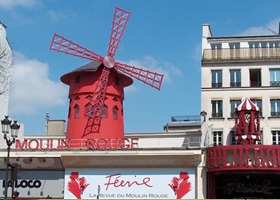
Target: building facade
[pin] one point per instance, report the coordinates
(234, 69)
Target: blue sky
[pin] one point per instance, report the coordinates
(161, 35)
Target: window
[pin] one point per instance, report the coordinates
(274, 77)
(275, 137)
(263, 50)
(216, 78)
(76, 111)
(235, 78)
(234, 141)
(233, 138)
(89, 97)
(217, 138)
(275, 107)
(254, 44)
(104, 111)
(233, 105)
(255, 78)
(115, 112)
(69, 109)
(234, 50)
(217, 108)
(273, 44)
(216, 51)
(89, 110)
(258, 103)
(254, 49)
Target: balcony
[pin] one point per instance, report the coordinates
(217, 115)
(255, 84)
(216, 85)
(274, 83)
(275, 114)
(235, 84)
(242, 54)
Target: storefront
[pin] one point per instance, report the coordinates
(243, 172)
(50, 168)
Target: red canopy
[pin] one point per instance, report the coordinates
(247, 104)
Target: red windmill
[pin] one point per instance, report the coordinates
(96, 89)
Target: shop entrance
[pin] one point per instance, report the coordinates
(246, 185)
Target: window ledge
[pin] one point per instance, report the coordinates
(274, 117)
(231, 118)
(216, 118)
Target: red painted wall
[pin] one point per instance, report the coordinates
(82, 85)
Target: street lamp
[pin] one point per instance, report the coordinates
(203, 114)
(7, 128)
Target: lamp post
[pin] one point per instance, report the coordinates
(10, 132)
(203, 114)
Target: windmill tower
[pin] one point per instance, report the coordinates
(97, 89)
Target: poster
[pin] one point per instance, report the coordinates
(129, 184)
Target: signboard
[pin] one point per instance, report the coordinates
(239, 157)
(129, 184)
(85, 144)
(39, 184)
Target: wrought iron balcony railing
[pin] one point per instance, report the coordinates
(256, 84)
(275, 114)
(274, 83)
(217, 115)
(216, 85)
(235, 84)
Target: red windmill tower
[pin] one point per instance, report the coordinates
(97, 89)
(247, 122)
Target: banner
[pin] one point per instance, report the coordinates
(129, 184)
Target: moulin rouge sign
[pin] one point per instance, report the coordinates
(242, 156)
(84, 144)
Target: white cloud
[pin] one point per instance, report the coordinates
(271, 28)
(32, 90)
(57, 15)
(8, 4)
(161, 67)
(131, 89)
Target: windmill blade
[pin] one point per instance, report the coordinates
(61, 44)
(99, 93)
(151, 78)
(118, 26)
(97, 102)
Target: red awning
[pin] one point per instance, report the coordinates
(247, 104)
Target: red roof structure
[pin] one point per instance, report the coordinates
(247, 104)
